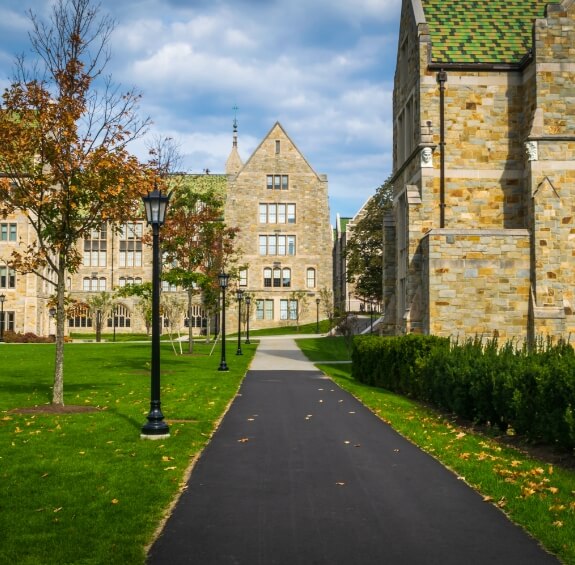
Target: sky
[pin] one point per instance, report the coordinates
(322, 68)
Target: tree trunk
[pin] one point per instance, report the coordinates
(58, 391)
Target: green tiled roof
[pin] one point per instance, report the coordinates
(481, 31)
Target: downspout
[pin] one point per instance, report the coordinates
(442, 79)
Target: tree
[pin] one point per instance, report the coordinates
(101, 307)
(172, 310)
(64, 132)
(328, 306)
(364, 250)
(144, 292)
(196, 243)
(298, 304)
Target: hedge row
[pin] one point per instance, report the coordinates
(531, 391)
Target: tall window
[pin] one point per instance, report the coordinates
(95, 248)
(277, 244)
(7, 320)
(79, 317)
(310, 278)
(277, 213)
(264, 309)
(121, 317)
(277, 182)
(7, 277)
(8, 232)
(288, 309)
(131, 245)
(267, 277)
(243, 277)
(402, 247)
(199, 318)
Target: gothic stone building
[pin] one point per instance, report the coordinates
(481, 240)
(276, 199)
(281, 206)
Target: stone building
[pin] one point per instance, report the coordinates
(276, 199)
(481, 240)
(281, 206)
(111, 259)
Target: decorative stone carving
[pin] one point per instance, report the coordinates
(532, 150)
(427, 157)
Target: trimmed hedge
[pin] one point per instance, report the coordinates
(529, 390)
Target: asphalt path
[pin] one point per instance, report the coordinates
(300, 472)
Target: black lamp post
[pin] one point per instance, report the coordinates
(317, 301)
(52, 314)
(371, 317)
(248, 300)
(156, 204)
(223, 279)
(240, 297)
(2, 321)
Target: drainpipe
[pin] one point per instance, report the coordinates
(442, 79)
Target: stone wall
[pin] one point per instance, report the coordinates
(478, 282)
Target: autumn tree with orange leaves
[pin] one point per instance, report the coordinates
(196, 242)
(64, 163)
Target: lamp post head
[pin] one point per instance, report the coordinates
(317, 301)
(156, 204)
(2, 298)
(248, 299)
(52, 312)
(239, 295)
(223, 279)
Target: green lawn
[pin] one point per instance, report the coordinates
(291, 329)
(535, 493)
(84, 488)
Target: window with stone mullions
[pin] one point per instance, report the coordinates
(277, 213)
(7, 277)
(8, 232)
(277, 244)
(277, 182)
(95, 248)
(131, 245)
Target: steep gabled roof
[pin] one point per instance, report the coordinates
(268, 135)
(480, 31)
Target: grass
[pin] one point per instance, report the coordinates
(84, 488)
(534, 493)
(292, 329)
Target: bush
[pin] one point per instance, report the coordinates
(28, 337)
(531, 390)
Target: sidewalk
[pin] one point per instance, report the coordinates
(300, 472)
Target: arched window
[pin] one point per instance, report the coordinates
(267, 277)
(79, 316)
(310, 278)
(277, 277)
(286, 277)
(121, 317)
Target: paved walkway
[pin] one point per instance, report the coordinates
(300, 473)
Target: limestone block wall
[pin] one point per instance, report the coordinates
(478, 282)
(555, 60)
(484, 152)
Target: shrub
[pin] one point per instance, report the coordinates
(531, 390)
(28, 337)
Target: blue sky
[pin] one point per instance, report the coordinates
(323, 68)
